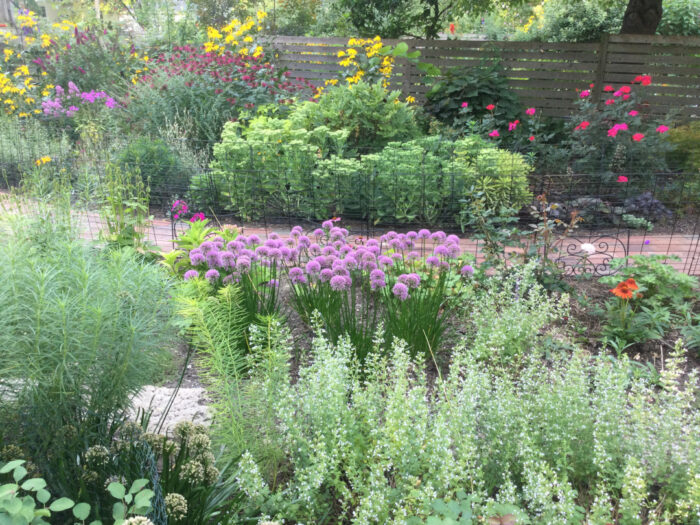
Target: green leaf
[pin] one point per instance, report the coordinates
(42, 496)
(400, 49)
(117, 490)
(61, 504)
(8, 489)
(12, 465)
(81, 511)
(128, 498)
(118, 511)
(19, 473)
(138, 485)
(413, 54)
(13, 506)
(143, 498)
(34, 484)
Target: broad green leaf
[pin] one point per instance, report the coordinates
(138, 485)
(143, 498)
(12, 465)
(81, 511)
(61, 504)
(118, 511)
(13, 506)
(400, 49)
(8, 489)
(42, 496)
(34, 484)
(128, 498)
(413, 54)
(117, 490)
(19, 473)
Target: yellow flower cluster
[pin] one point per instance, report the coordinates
(536, 17)
(236, 36)
(28, 20)
(369, 48)
(43, 160)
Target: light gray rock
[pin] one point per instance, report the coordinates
(189, 405)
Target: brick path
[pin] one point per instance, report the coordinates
(685, 246)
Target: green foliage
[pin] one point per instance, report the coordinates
(660, 282)
(458, 511)
(681, 17)
(158, 166)
(686, 156)
(478, 86)
(124, 197)
(372, 116)
(23, 510)
(581, 21)
(83, 331)
(552, 441)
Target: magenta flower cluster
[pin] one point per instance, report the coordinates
(326, 257)
(68, 104)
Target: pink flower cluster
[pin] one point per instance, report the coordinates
(67, 105)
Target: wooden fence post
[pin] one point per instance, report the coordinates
(600, 70)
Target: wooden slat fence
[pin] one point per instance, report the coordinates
(544, 75)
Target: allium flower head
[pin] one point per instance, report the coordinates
(197, 258)
(432, 261)
(313, 267)
(423, 234)
(326, 275)
(340, 283)
(400, 290)
(243, 264)
(385, 261)
(467, 270)
(212, 275)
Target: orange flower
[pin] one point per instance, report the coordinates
(625, 290)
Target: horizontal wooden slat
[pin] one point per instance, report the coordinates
(545, 75)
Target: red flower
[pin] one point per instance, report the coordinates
(490, 107)
(452, 29)
(622, 178)
(625, 289)
(608, 88)
(637, 137)
(609, 101)
(531, 138)
(646, 80)
(625, 89)
(583, 125)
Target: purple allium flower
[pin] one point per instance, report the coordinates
(452, 239)
(235, 246)
(274, 254)
(318, 232)
(214, 259)
(350, 262)
(378, 283)
(218, 238)
(440, 250)
(272, 243)
(453, 250)
(261, 251)
(243, 264)
(396, 256)
(326, 275)
(191, 274)
(411, 280)
(304, 241)
(444, 265)
(400, 290)
(372, 242)
(397, 244)
(242, 238)
(296, 231)
(273, 236)
(296, 275)
(467, 270)
(313, 267)
(290, 242)
(423, 234)
(341, 271)
(376, 275)
(433, 261)
(207, 246)
(375, 250)
(336, 233)
(323, 261)
(412, 256)
(315, 249)
(368, 266)
(197, 257)
(228, 260)
(337, 263)
(327, 225)
(212, 275)
(253, 239)
(329, 250)
(339, 283)
(345, 249)
(412, 235)
(385, 261)
(228, 279)
(438, 236)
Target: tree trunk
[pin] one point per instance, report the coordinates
(6, 13)
(642, 17)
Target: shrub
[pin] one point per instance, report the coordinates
(577, 440)
(583, 21)
(478, 86)
(372, 116)
(158, 166)
(681, 17)
(83, 331)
